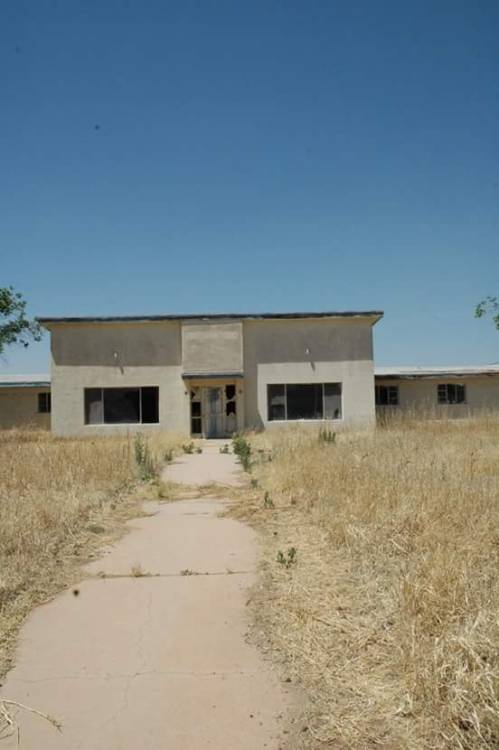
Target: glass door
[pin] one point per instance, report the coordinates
(214, 412)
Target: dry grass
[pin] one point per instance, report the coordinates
(60, 500)
(388, 616)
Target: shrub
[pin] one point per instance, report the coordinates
(326, 435)
(144, 459)
(242, 449)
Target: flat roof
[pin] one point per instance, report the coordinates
(454, 371)
(25, 381)
(375, 314)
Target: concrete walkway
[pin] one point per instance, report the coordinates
(157, 661)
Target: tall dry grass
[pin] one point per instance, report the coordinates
(59, 500)
(389, 617)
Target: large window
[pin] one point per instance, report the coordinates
(387, 395)
(451, 393)
(122, 405)
(304, 401)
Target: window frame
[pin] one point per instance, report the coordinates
(46, 398)
(102, 390)
(445, 401)
(304, 419)
(389, 389)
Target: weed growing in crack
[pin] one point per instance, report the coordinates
(287, 559)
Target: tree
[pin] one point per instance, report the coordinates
(15, 326)
(489, 306)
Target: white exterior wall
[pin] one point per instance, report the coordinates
(420, 395)
(339, 351)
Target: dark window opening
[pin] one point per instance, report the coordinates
(387, 395)
(196, 412)
(150, 404)
(122, 405)
(44, 403)
(230, 392)
(196, 425)
(451, 393)
(230, 407)
(304, 401)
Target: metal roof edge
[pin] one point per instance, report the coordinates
(409, 373)
(377, 314)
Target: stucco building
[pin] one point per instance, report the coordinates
(25, 400)
(437, 391)
(210, 375)
(213, 375)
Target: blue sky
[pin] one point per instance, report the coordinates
(255, 156)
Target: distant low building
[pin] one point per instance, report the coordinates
(437, 391)
(25, 401)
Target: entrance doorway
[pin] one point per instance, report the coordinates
(213, 410)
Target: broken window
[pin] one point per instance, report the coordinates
(387, 395)
(451, 393)
(94, 406)
(332, 400)
(122, 405)
(276, 395)
(304, 401)
(44, 403)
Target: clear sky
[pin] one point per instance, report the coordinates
(213, 156)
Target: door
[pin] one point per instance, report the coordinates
(214, 412)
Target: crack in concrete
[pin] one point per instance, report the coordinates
(183, 574)
(144, 673)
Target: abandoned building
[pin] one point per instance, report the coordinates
(25, 401)
(212, 375)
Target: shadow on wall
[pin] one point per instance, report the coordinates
(132, 345)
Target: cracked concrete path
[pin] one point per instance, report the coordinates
(158, 661)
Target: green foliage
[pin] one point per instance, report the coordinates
(267, 501)
(198, 449)
(144, 458)
(488, 306)
(168, 456)
(15, 327)
(287, 559)
(254, 482)
(242, 449)
(188, 447)
(224, 448)
(327, 436)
